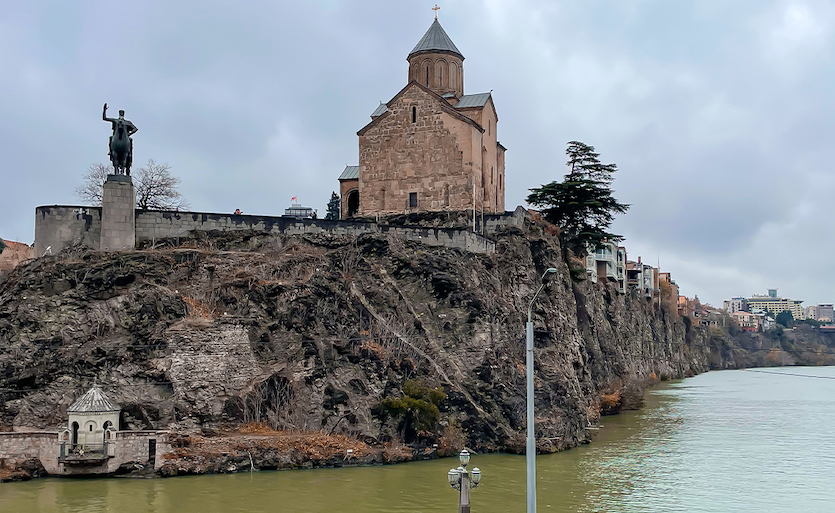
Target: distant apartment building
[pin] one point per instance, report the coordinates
(747, 321)
(775, 304)
(737, 304)
(642, 277)
(620, 266)
(668, 279)
(684, 307)
(823, 313)
(607, 262)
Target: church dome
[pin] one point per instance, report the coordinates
(434, 41)
(94, 401)
(436, 63)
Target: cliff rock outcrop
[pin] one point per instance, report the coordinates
(312, 333)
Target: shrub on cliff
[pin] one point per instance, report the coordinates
(582, 204)
(417, 408)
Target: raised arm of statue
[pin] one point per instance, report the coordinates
(104, 114)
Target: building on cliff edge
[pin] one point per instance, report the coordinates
(431, 147)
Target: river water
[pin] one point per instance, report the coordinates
(755, 440)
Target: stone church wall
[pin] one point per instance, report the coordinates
(427, 157)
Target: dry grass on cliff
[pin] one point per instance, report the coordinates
(314, 445)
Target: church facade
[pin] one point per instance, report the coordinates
(431, 147)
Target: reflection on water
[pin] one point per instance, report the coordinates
(722, 441)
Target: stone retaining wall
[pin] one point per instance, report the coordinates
(59, 226)
(17, 447)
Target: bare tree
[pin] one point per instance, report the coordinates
(155, 187)
(91, 190)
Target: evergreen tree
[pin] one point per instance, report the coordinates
(785, 318)
(333, 207)
(582, 204)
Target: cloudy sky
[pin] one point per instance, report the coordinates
(719, 114)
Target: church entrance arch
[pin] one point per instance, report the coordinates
(353, 202)
(74, 434)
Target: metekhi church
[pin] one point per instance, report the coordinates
(431, 147)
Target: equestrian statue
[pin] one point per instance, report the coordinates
(121, 145)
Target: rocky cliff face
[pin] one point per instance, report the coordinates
(313, 332)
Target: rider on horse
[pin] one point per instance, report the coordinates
(121, 128)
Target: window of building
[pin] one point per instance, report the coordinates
(427, 76)
(412, 200)
(414, 114)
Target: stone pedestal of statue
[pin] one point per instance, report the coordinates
(118, 220)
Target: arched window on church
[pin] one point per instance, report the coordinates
(439, 70)
(383, 199)
(427, 76)
(414, 114)
(446, 195)
(453, 76)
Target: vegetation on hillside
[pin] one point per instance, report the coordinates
(582, 205)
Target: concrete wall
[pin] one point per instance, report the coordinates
(17, 447)
(61, 225)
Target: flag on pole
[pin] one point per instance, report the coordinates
(293, 198)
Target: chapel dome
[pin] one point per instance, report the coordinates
(94, 401)
(434, 41)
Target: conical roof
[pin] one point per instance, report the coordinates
(93, 401)
(435, 40)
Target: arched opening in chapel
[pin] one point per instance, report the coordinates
(353, 202)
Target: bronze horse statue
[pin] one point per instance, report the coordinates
(121, 145)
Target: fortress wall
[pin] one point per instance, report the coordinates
(159, 224)
(60, 226)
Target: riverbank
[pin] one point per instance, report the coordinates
(721, 441)
(260, 448)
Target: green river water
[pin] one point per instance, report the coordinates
(760, 440)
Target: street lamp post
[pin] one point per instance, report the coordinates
(530, 452)
(463, 481)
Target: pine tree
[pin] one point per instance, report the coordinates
(333, 207)
(582, 204)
